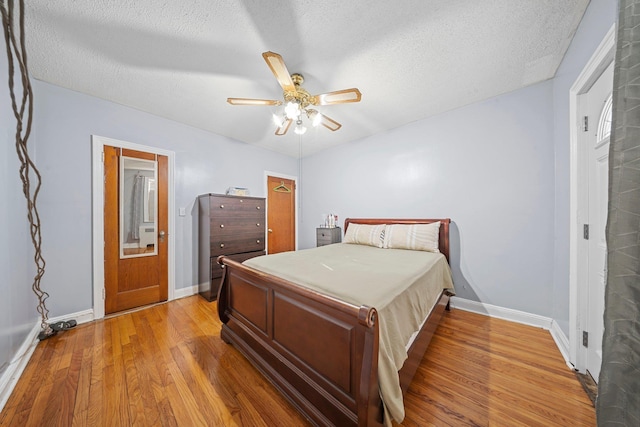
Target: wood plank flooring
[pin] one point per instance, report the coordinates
(167, 366)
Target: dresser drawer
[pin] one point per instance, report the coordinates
(328, 236)
(237, 224)
(236, 207)
(237, 243)
(216, 269)
(324, 240)
(211, 292)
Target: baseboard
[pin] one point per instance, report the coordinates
(185, 292)
(502, 313)
(13, 372)
(80, 317)
(562, 342)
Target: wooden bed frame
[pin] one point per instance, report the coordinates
(320, 352)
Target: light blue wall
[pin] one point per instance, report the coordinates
(499, 169)
(487, 166)
(18, 313)
(598, 19)
(205, 163)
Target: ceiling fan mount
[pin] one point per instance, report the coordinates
(299, 95)
(297, 79)
(297, 99)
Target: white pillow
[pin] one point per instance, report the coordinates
(418, 237)
(365, 234)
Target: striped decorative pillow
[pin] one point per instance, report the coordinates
(418, 237)
(364, 234)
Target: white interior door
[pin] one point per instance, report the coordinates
(599, 102)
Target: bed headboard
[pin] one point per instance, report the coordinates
(443, 241)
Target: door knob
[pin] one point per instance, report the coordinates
(161, 235)
(270, 231)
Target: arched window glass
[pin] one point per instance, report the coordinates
(604, 124)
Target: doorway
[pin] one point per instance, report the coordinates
(281, 213)
(599, 107)
(133, 225)
(590, 109)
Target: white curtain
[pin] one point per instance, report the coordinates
(137, 205)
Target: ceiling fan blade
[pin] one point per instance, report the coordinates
(338, 97)
(251, 101)
(284, 127)
(276, 64)
(329, 123)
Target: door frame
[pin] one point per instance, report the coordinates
(297, 204)
(579, 201)
(97, 178)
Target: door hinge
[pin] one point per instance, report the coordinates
(585, 339)
(103, 157)
(104, 294)
(585, 231)
(585, 123)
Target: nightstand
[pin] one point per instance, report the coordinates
(327, 236)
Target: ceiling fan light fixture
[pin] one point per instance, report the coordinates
(315, 117)
(278, 120)
(292, 110)
(297, 99)
(300, 129)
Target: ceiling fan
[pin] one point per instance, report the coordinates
(297, 100)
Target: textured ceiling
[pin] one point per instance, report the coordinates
(411, 59)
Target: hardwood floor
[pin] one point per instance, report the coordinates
(166, 365)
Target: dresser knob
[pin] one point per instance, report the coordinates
(221, 206)
(222, 245)
(257, 241)
(258, 225)
(258, 207)
(221, 225)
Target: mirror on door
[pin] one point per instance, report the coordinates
(138, 207)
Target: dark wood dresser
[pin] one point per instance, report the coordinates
(229, 225)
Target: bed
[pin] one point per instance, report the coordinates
(321, 346)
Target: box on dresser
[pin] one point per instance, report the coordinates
(228, 225)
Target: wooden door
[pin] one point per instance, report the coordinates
(133, 280)
(281, 215)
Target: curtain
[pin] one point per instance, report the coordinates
(138, 202)
(618, 401)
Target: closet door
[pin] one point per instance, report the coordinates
(281, 215)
